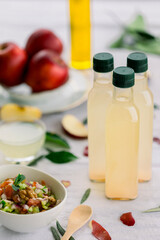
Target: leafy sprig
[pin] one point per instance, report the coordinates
(17, 181)
(57, 140)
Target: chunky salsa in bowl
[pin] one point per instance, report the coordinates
(17, 195)
(29, 198)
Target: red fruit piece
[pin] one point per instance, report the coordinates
(34, 202)
(66, 183)
(5, 183)
(127, 219)
(99, 232)
(85, 152)
(8, 191)
(1, 191)
(43, 183)
(156, 139)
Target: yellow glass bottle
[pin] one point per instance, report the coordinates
(122, 139)
(143, 99)
(99, 99)
(80, 34)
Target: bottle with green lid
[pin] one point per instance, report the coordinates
(143, 99)
(122, 138)
(98, 100)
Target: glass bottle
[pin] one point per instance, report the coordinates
(80, 27)
(143, 99)
(98, 100)
(122, 139)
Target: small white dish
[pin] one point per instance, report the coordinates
(31, 222)
(71, 94)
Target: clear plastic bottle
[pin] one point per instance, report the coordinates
(143, 99)
(122, 139)
(98, 100)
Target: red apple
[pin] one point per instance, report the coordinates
(43, 39)
(46, 71)
(12, 63)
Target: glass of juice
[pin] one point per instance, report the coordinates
(21, 141)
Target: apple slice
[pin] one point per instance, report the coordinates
(74, 127)
(13, 112)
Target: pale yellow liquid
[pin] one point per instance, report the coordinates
(122, 138)
(21, 140)
(143, 99)
(99, 99)
(80, 34)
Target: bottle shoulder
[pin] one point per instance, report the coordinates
(100, 90)
(145, 97)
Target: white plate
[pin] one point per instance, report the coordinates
(71, 94)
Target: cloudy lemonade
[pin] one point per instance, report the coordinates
(143, 99)
(122, 139)
(21, 140)
(99, 99)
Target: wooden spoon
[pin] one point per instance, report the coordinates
(79, 216)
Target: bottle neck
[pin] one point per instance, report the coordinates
(122, 94)
(141, 81)
(103, 78)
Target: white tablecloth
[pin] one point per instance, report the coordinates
(106, 212)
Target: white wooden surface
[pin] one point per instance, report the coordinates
(17, 20)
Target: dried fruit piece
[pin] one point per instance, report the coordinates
(99, 232)
(156, 139)
(85, 152)
(13, 112)
(74, 127)
(127, 219)
(66, 183)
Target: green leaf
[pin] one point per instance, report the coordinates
(3, 203)
(157, 209)
(56, 139)
(55, 234)
(85, 195)
(61, 157)
(85, 121)
(156, 106)
(138, 23)
(19, 179)
(36, 160)
(15, 188)
(62, 230)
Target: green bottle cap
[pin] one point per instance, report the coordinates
(138, 61)
(123, 77)
(103, 62)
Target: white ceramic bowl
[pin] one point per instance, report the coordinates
(32, 222)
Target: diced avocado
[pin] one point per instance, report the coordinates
(16, 211)
(30, 209)
(35, 209)
(44, 204)
(22, 186)
(8, 209)
(40, 194)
